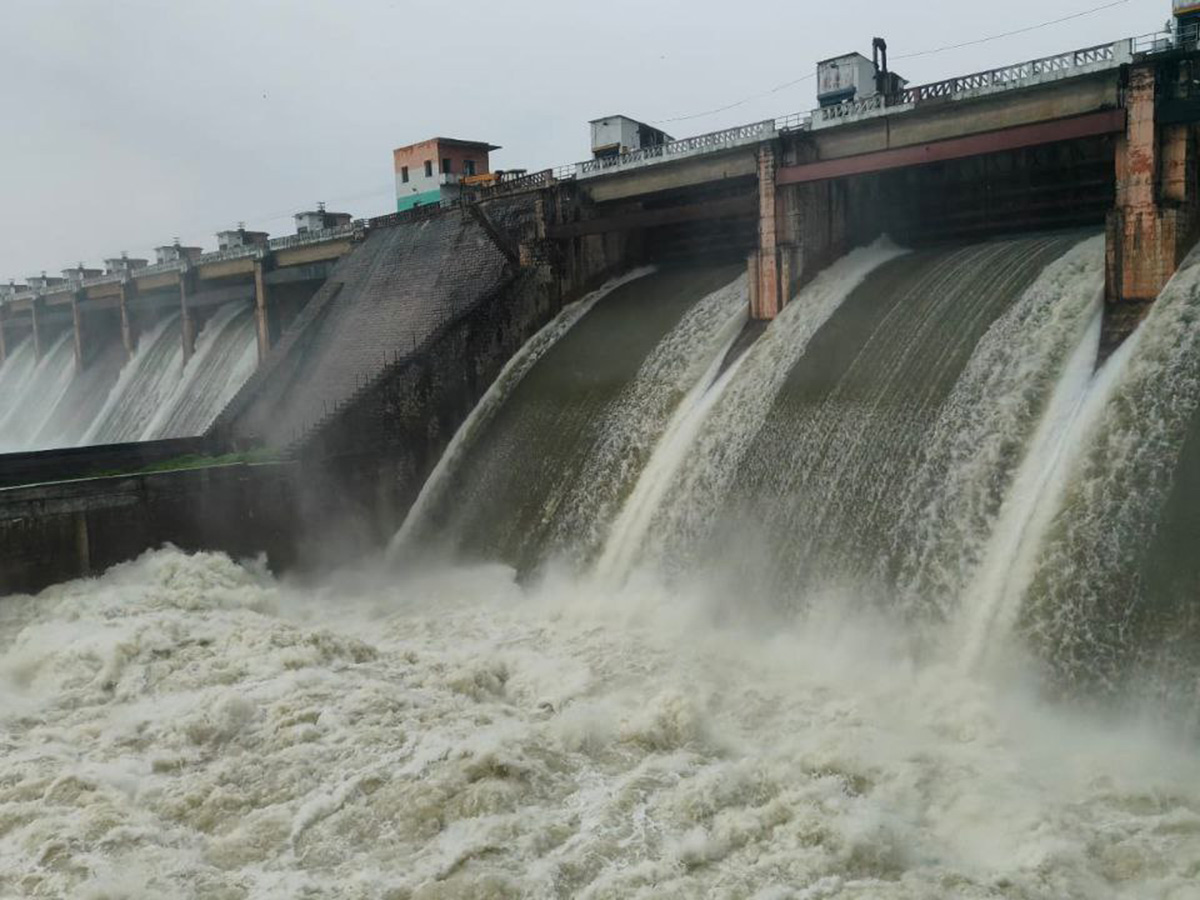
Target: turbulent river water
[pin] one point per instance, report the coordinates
(895, 600)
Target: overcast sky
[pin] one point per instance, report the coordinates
(130, 122)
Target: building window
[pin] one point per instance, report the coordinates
(469, 166)
(446, 165)
(404, 174)
(429, 168)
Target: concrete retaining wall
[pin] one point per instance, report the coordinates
(54, 532)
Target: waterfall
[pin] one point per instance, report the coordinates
(226, 355)
(35, 397)
(683, 364)
(606, 385)
(909, 431)
(895, 596)
(1102, 602)
(967, 462)
(15, 374)
(723, 428)
(48, 403)
(476, 423)
(145, 384)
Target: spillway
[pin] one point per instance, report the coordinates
(893, 597)
(50, 403)
(34, 399)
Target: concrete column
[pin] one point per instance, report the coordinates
(187, 320)
(35, 315)
(129, 335)
(83, 545)
(766, 300)
(77, 322)
(262, 308)
(1153, 224)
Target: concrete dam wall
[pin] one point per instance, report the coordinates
(363, 391)
(381, 304)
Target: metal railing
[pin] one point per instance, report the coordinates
(1167, 40)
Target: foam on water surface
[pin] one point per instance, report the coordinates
(185, 727)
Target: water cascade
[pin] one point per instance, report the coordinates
(837, 609)
(48, 403)
(518, 480)
(145, 383)
(226, 355)
(15, 373)
(1113, 587)
(36, 396)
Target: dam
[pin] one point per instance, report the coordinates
(806, 509)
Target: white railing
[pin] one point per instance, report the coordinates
(242, 252)
(851, 109)
(314, 237)
(1102, 56)
(172, 265)
(712, 142)
(1062, 65)
(103, 279)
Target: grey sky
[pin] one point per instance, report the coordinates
(128, 122)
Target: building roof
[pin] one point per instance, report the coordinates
(619, 116)
(841, 56)
(453, 142)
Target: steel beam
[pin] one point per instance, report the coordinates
(1110, 121)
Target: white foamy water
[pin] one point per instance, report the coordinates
(15, 373)
(159, 396)
(187, 728)
(983, 433)
(35, 396)
(998, 587)
(226, 356)
(629, 532)
(1085, 598)
(668, 386)
(144, 385)
(722, 438)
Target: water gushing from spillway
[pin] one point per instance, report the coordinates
(226, 355)
(34, 398)
(817, 615)
(51, 403)
(1113, 590)
(15, 373)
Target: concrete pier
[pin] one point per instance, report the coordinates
(1154, 221)
(187, 320)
